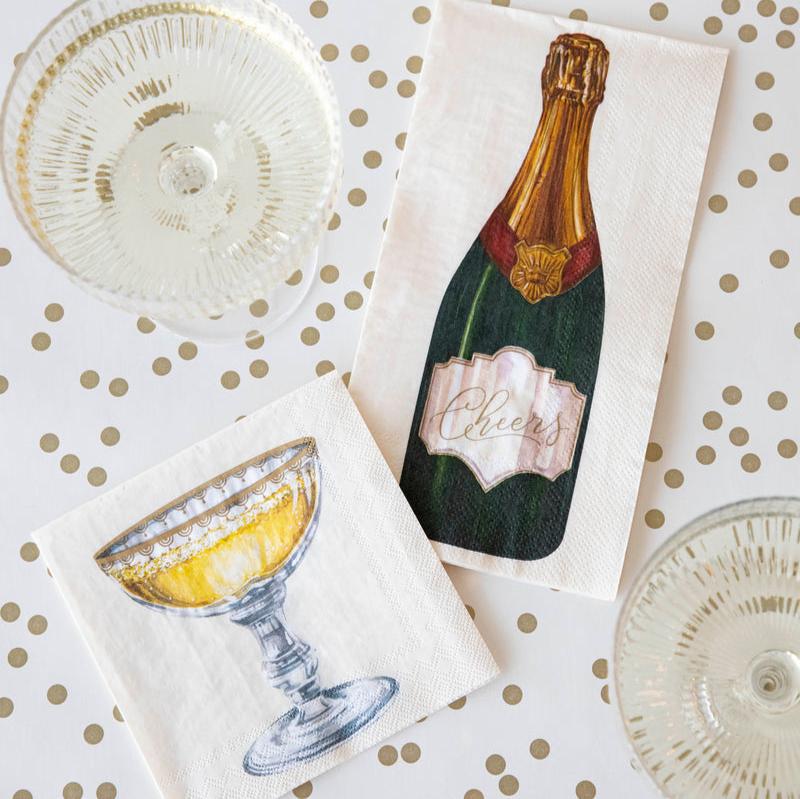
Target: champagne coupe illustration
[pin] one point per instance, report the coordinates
(229, 546)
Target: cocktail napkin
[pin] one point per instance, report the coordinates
(264, 604)
(517, 327)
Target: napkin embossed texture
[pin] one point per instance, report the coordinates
(510, 359)
(264, 605)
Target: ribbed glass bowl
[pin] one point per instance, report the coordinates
(176, 159)
(707, 656)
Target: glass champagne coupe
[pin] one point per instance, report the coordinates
(177, 159)
(708, 656)
(228, 546)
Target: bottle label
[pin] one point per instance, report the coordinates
(502, 415)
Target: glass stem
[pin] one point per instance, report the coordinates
(288, 662)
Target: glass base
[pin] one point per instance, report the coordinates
(258, 319)
(321, 724)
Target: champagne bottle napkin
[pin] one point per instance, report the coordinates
(517, 327)
(264, 604)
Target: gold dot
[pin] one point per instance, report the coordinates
(22, 794)
(118, 387)
(729, 283)
(501, 2)
(295, 278)
(751, 462)
(789, 15)
(37, 624)
(90, 378)
(357, 197)
(145, 325)
(117, 714)
(259, 368)
(372, 159)
(5, 256)
(358, 117)
(600, 668)
(578, 13)
(421, 14)
(508, 785)
(512, 694)
(109, 436)
(706, 455)
(778, 162)
(410, 752)
(730, 6)
(49, 442)
(187, 350)
(377, 79)
(54, 312)
(309, 336)
(29, 552)
(765, 80)
(673, 478)
(17, 657)
(9, 612)
(747, 178)
(712, 25)
(323, 367)
(779, 258)
(474, 793)
(704, 330)
(93, 734)
(303, 791)
(6, 707)
(585, 790)
(732, 395)
(717, 203)
(797, 330)
(653, 452)
(794, 206)
(329, 274)
(777, 400)
(56, 694)
(162, 366)
(368, 278)
(72, 790)
(96, 476)
(360, 53)
(654, 519)
(229, 379)
(738, 436)
(387, 755)
(539, 749)
(471, 611)
(318, 9)
(70, 463)
(784, 39)
(787, 448)
(747, 33)
(254, 340)
(604, 695)
(40, 341)
(414, 64)
(259, 308)
(766, 8)
(334, 221)
(526, 623)
(457, 704)
(406, 88)
(495, 764)
(3, 384)
(106, 790)
(329, 52)
(353, 300)
(659, 11)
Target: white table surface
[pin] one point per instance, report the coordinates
(560, 667)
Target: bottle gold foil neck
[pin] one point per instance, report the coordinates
(576, 69)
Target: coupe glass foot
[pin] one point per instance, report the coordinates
(320, 724)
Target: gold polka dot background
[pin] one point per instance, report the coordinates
(90, 396)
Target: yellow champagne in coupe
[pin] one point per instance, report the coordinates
(217, 565)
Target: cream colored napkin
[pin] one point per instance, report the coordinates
(368, 595)
(477, 108)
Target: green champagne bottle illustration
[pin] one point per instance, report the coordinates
(506, 392)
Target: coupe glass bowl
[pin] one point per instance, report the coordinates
(708, 656)
(177, 159)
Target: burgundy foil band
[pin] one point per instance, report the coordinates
(499, 241)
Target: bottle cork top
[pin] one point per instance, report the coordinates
(576, 68)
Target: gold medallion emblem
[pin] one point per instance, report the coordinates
(538, 271)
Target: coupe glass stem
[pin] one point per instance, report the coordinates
(289, 663)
